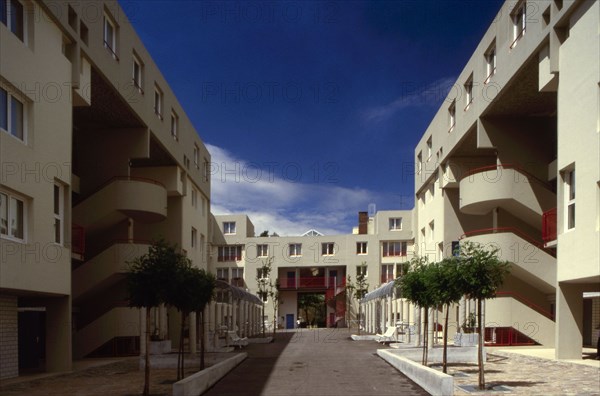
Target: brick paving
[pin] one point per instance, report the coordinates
(528, 375)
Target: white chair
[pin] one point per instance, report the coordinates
(236, 340)
(388, 336)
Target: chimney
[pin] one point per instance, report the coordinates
(363, 222)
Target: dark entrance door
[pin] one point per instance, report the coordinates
(291, 279)
(32, 337)
(289, 321)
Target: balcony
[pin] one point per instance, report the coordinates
(531, 261)
(106, 268)
(309, 283)
(549, 226)
(77, 242)
(507, 187)
(144, 200)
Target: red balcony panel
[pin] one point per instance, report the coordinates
(549, 225)
(77, 239)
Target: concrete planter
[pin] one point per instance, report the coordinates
(160, 347)
(466, 339)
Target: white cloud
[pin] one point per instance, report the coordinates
(413, 95)
(275, 199)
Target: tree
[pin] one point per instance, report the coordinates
(482, 275)
(264, 234)
(146, 287)
(273, 292)
(447, 287)
(191, 289)
(357, 290)
(263, 281)
(312, 304)
(416, 289)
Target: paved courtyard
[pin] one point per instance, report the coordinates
(315, 362)
(324, 362)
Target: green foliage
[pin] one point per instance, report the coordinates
(481, 270)
(415, 284)
(146, 279)
(445, 281)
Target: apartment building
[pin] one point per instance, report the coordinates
(312, 264)
(511, 159)
(98, 159)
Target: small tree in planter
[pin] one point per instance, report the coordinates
(482, 275)
(416, 287)
(263, 281)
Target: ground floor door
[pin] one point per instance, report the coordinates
(32, 339)
(289, 321)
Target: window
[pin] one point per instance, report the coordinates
(137, 74)
(223, 274)
(518, 19)
(158, 102)
(468, 92)
(261, 273)
(295, 249)
(327, 249)
(229, 227)
(452, 116)
(207, 170)
(431, 190)
(490, 60)
(196, 156)
(237, 277)
(419, 162)
(570, 198)
(58, 213)
(395, 223)
(229, 253)
(194, 198)
(110, 36)
(387, 273)
(431, 230)
(12, 216)
(392, 249)
(203, 206)
(83, 32)
(11, 15)
(12, 115)
(361, 270)
(194, 238)
(202, 242)
(361, 247)
(429, 146)
(174, 125)
(262, 250)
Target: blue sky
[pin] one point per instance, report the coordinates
(310, 109)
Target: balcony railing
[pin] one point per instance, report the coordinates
(77, 239)
(549, 226)
(499, 167)
(313, 282)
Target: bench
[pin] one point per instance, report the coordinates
(235, 340)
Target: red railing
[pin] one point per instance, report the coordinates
(77, 239)
(506, 336)
(549, 225)
(525, 301)
(313, 282)
(498, 168)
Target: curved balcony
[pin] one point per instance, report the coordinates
(106, 268)
(144, 200)
(531, 262)
(507, 187)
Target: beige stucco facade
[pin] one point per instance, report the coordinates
(494, 166)
(98, 159)
(312, 263)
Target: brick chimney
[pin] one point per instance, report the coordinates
(363, 222)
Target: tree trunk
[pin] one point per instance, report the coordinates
(262, 319)
(201, 313)
(147, 357)
(425, 335)
(359, 317)
(445, 353)
(274, 318)
(180, 358)
(480, 346)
